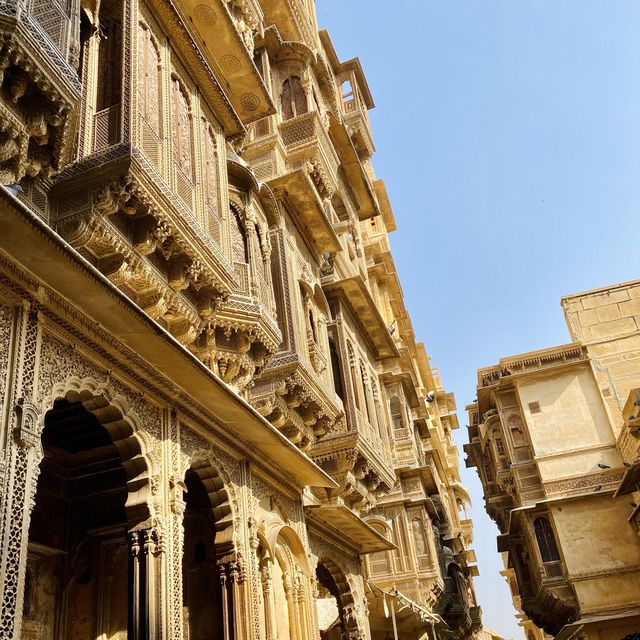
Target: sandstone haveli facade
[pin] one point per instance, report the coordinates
(215, 419)
(555, 438)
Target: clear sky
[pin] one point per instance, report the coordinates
(507, 134)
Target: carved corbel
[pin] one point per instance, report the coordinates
(154, 303)
(178, 272)
(148, 235)
(208, 301)
(113, 197)
(184, 331)
(118, 269)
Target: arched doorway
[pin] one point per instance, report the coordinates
(285, 584)
(81, 575)
(202, 595)
(335, 604)
(212, 576)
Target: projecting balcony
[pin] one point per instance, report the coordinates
(307, 144)
(354, 294)
(295, 393)
(356, 117)
(308, 213)
(629, 444)
(39, 86)
(355, 462)
(142, 235)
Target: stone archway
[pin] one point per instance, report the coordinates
(219, 501)
(91, 548)
(285, 577)
(333, 584)
(212, 575)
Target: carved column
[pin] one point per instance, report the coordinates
(291, 608)
(300, 608)
(175, 622)
(232, 585)
(265, 575)
(23, 455)
(226, 623)
(146, 588)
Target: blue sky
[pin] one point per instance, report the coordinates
(507, 134)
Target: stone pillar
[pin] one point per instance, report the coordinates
(175, 613)
(232, 584)
(265, 575)
(300, 607)
(23, 456)
(226, 622)
(146, 588)
(289, 592)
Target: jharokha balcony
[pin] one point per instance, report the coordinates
(186, 239)
(39, 88)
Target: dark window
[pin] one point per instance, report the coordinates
(199, 553)
(546, 540)
(396, 412)
(109, 62)
(337, 370)
(312, 326)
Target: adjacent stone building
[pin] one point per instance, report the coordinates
(215, 419)
(554, 436)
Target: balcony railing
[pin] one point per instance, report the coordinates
(308, 129)
(242, 277)
(106, 127)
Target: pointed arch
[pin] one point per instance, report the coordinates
(221, 505)
(291, 541)
(331, 576)
(119, 426)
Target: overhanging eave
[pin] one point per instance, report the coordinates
(353, 169)
(355, 293)
(312, 219)
(225, 51)
(28, 242)
(350, 528)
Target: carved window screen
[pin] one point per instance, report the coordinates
(148, 78)
(367, 395)
(149, 94)
(354, 377)
(396, 416)
(238, 240)
(108, 78)
(182, 135)
(210, 176)
(293, 99)
(488, 469)
(419, 537)
(517, 431)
